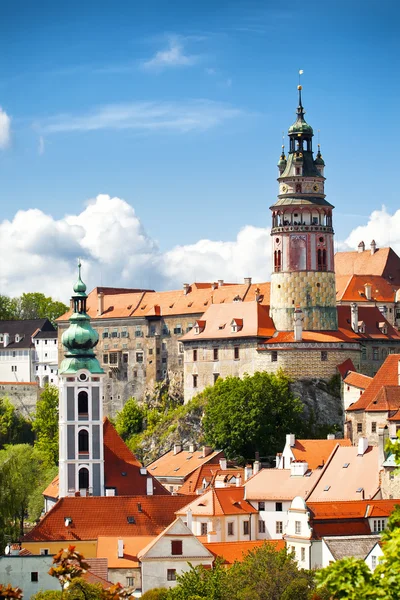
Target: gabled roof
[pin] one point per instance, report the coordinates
(252, 318)
(96, 516)
(279, 485)
(25, 328)
(316, 452)
(388, 375)
(122, 470)
(145, 303)
(107, 547)
(358, 546)
(345, 473)
(236, 551)
(352, 289)
(209, 473)
(183, 463)
(219, 502)
(384, 262)
(346, 366)
(177, 529)
(357, 380)
(351, 509)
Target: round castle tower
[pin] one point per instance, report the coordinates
(302, 237)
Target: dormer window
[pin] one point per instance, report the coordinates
(382, 327)
(236, 325)
(361, 327)
(199, 327)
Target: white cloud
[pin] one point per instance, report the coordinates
(173, 56)
(116, 251)
(145, 117)
(5, 128)
(382, 227)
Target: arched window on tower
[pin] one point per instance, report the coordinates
(83, 441)
(83, 404)
(277, 261)
(321, 259)
(83, 478)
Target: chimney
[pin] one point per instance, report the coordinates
(290, 439)
(214, 286)
(257, 295)
(6, 340)
(361, 247)
(223, 464)
(256, 467)
(298, 324)
(248, 472)
(186, 288)
(362, 446)
(100, 303)
(238, 481)
(330, 436)
(191, 447)
(373, 247)
(189, 519)
(149, 486)
(354, 316)
(383, 309)
(298, 468)
(381, 446)
(247, 280)
(120, 548)
(177, 448)
(206, 451)
(220, 282)
(368, 290)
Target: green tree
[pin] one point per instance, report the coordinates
(35, 305)
(14, 429)
(21, 472)
(268, 574)
(45, 424)
(156, 594)
(252, 414)
(47, 595)
(200, 583)
(9, 309)
(129, 419)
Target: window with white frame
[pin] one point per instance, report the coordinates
(279, 527)
(297, 527)
(261, 526)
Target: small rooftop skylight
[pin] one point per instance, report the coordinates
(346, 465)
(327, 488)
(359, 490)
(123, 473)
(177, 469)
(131, 520)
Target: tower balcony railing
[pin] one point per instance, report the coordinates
(303, 227)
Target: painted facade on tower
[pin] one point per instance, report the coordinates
(302, 237)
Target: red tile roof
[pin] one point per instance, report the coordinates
(128, 303)
(352, 289)
(333, 527)
(351, 509)
(383, 262)
(316, 452)
(183, 463)
(218, 502)
(236, 551)
(107, 516)
(345, 367)
(118, 459)
(357, 380)
(388, 375)
(252, 320)
(209, 473)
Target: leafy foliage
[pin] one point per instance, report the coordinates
(47, 595)
(33, 305)
(129, 419)
(14, 429)
(252, 414)
(21, 472)
(200, 583)
(45, 424)
(67, 565)
(155, 594)
(7, 591)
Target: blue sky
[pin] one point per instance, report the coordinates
(178, 108)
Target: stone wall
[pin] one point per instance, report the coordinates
(22, 395)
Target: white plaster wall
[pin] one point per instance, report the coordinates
(15, 358)
(154, 572)
(377, 552)
(220, 526)
(326, 555)
(350, 395)
(270, 516)
(17, 570)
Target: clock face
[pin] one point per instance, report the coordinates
(315, 188)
